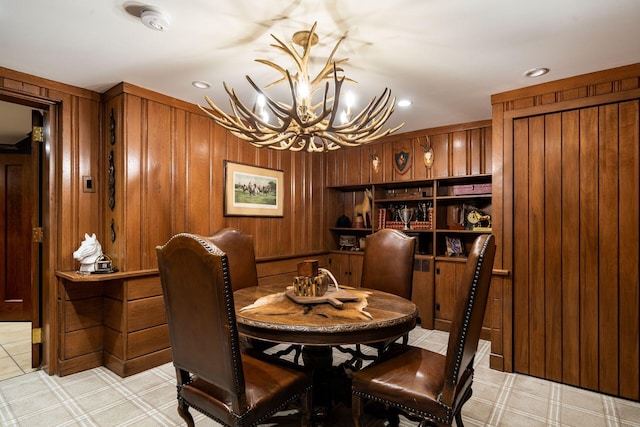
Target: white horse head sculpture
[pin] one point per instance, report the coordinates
(88, 252)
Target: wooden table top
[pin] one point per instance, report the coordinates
(374, 316)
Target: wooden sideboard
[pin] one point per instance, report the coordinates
(116, 320)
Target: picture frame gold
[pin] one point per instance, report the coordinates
(253, 190)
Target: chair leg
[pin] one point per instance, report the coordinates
(183, 411)
(306, 406)
(467, 396)
(356, 409)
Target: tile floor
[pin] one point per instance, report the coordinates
(15, 349)
(98, 397)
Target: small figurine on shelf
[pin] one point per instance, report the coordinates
(88, 253)
(364, 208)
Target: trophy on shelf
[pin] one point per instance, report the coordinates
(406, 214)
(424, 213)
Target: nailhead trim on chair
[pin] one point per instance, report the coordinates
(228, 297)
(410, 410)
(467, 314)
(239, 417)
(235, 344)
(467, 319)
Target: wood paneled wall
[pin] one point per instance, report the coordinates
(170, 179)
(566, 209)
(463, 149)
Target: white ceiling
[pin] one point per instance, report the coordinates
(447, 56)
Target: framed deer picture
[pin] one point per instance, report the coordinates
(252, 190)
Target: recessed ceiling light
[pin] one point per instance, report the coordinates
(536, 72)
(201, 84)
(154, 19)
(404, 103)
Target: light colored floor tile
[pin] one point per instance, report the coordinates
(9, 369)
(18, 347)
(98, 397)
(575, 417)
(511, 419)
(24, 361)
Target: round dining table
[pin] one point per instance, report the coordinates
(317, 325)
(272, 313)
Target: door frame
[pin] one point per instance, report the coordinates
(44, 296)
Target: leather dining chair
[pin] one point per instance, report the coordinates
(387, 266)
(213, 375)
(241, 255)
(243, 271)
(388, 262)
(428, 386)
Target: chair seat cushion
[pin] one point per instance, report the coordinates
(410, 380)
(268, 388)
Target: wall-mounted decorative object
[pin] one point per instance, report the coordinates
(112, 181)
(401, 161)
(112, 227)
(375, 162)
(252, 191)
(427, 157)
(112, 128)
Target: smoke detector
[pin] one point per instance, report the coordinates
(154, 19)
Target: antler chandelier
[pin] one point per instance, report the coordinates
(311, 119)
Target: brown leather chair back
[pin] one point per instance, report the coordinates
(200, 310)
(388, 262)
(241, 255)
(469, 313)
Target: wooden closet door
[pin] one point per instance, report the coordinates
(576, 247)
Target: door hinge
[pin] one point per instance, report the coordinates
(36, 234)
(37, 133)
(36, 336)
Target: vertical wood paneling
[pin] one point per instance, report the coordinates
(553, 245)
(501, 357)
(608, 248)
(476, 153)
(568, 276)
(440, 144)
(570, 243)
(520, 245)
(459, 149)
(419, 169)
(198, 175)
(536, 237)
(629, 250)
(88, 143)
(178, 171)
(589, 248)
(156, 198)
(128, 183)
(354, 168)
(599, 223)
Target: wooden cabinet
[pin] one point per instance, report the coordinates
(446, 215)
(422, 292)
(448, 274)
(346, 266)
(116, 320)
